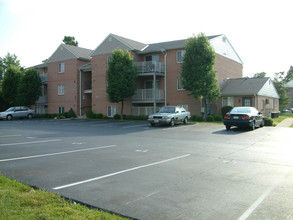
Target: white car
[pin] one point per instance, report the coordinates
(169, 115)
(17, 112)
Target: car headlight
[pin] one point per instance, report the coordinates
(150, 117)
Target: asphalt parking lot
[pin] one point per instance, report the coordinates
(194, 171)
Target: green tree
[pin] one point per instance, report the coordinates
(121, 76)
(198, 75)
(8, 60)
(10, 84)
(70, 40)
(29, 87)
(289, 75)
(259, 75)
(279, 82)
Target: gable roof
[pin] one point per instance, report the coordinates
(67, 52)
(112, 42)
(249, 86)
(289, 84)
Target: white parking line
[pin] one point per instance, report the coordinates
(119, 172)
(32, 142)
(52, 154)
(10, 135)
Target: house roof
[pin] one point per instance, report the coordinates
(289, 84)
(169, 45)
(135, 45)
(249, 86)
(67, 52)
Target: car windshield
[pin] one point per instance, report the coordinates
(240, 110)
(10, 109)
(167, 110)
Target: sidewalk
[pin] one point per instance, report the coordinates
(286, 123)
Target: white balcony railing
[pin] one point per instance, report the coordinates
(143, 110)
(150, 67)
(149, 95)
(44, 78)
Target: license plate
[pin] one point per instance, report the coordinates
(236, 117)
(156, 121)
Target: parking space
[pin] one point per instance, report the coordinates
(194, 171)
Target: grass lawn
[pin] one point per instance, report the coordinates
(19, 201)
(282, 117)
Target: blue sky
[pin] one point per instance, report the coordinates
(259, 30)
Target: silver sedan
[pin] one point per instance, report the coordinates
(17, 112)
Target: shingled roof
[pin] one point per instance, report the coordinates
(249, 86)
(169, 45)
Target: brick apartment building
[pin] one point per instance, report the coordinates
(76, 77)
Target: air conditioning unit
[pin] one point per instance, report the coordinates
(267, 101)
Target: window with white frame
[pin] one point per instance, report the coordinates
(61, 109)
(228, 101)
(111, 110)
(180, 55)
(179, 84)
(109, 59)
(60, 89)
(61, 68)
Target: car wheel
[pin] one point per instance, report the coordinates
(253, 125)
(30, 116)
(9, 117)
(172, 123)
(228, 127)
(185, 120)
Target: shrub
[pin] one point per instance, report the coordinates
(61, 117)
(226, 109)
(218, 118)
(200, 118)
(117, 117)
(71, 114)
(210, 118)
(268, 121)
(99, 116)
(89, 113)
(193, 118)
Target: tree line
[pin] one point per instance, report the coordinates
(18, 86)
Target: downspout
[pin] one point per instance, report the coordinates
(79, 92)
(165, 73)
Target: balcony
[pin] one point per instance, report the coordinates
(44, 78)
(42, 101)
(143, 110)
(148, 96)
(150, 68)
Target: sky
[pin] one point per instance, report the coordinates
(259, 30)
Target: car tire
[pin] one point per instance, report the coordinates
(228, 127)
(172, 122)
(30, 116)
(9, 117)
(253, 125)
(185, 120)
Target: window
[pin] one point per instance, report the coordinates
(61, 109)
(180, 55)
(109, 59)
(228, 101)
(262, 104)
(247, 101)
(60, 89)
(179, 84)
(61, 68)
(111, 110)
